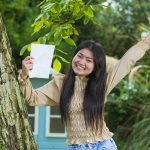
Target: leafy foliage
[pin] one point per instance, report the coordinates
(18, 17)
(120, 26)
(57, 20)
(59, 17)
(139, 137)
(130, 103)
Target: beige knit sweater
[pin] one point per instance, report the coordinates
(49, 94)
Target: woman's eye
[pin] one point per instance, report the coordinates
(89, 60)
(79, 56)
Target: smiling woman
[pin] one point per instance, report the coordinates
(81, 93)
(83, 63)
(81, 88)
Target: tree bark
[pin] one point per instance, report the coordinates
(15, 130)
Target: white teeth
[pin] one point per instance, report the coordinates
(80, 67)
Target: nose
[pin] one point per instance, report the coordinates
(82, 62)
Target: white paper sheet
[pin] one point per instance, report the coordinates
(42, 55)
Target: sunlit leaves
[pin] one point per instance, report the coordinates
(88, 11)
(23, 49)
(70, 42)
(59, 18)
(86, 20)
(63, 59)
(56, 65)
(42, 40)
(56, 22)
(37, 26)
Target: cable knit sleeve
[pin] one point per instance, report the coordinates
(49, 94)
(123, 67)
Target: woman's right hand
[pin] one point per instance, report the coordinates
(27, 64)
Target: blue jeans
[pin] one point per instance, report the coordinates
(108, 144)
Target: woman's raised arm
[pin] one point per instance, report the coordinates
(123, 67)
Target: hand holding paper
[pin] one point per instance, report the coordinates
(42, 55)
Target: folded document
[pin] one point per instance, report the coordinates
(43, 55)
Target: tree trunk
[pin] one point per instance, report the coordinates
(15, 130)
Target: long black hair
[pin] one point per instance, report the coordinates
(93, 103)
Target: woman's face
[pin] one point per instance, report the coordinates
(83, 62)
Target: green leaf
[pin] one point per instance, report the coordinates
(47, 24)
(37, 26)
(53, 8)
(64, 60)
(29, 48)
(61, 51)
(42, 40)
(95, 21)
(67, 26)
(47, 6)
(88, 11)
(51, 43)
(45, 16)
(70, 42)
(38, 17)
(56, 65)
(24, 49)
(58, 39)
(76, 10)
(64, 34)
(86, 20)
(75, 31)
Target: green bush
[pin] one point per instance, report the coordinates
(128, 111)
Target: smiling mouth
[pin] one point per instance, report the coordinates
(80, 67)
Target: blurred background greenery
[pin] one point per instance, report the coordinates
(119, 26)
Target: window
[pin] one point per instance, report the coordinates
(33, 118)
(54, 126)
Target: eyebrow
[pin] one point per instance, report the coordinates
(84, 56)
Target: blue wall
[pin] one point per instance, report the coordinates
(43, 142)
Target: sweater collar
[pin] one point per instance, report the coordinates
(81, 78)
(80, 83)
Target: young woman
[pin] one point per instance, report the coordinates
(81, 93)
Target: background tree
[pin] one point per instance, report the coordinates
(15, 131)
(18, 17)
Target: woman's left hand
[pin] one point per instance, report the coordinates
(146, 38)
